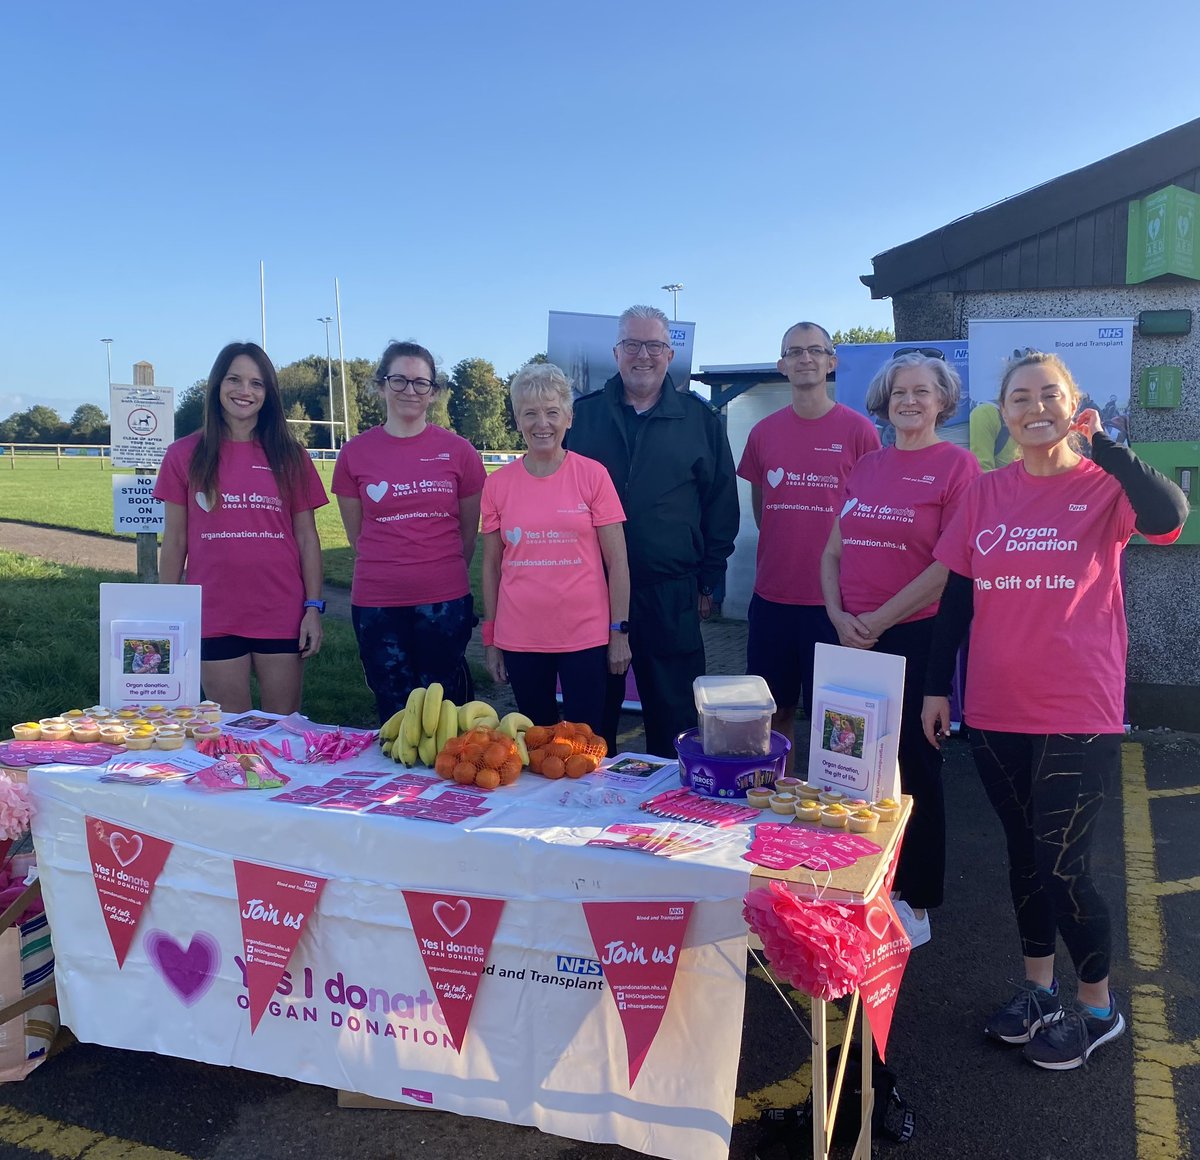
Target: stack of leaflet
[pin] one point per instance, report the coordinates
(851, 749)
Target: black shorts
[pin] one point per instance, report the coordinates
(229, 648)
(781, 644)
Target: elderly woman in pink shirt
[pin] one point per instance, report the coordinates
(555, 573)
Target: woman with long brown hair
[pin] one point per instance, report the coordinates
(1034, 559)
(239, 496)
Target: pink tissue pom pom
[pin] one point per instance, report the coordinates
(14, 808)
(812, 944)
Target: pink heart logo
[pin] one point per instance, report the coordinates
(188, 973)
(452, 917)
(878, 920)
(775, 476)
(125, 849)
(377, 490)
(990, 537)
(202, 502)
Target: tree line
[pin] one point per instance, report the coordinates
(473, 401)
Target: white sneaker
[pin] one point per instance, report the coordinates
(916, 928)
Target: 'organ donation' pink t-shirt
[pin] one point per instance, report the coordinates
(1048, 639)
(553, 592)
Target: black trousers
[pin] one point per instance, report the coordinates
(668, 655)
(1048, 790)
(921, 873)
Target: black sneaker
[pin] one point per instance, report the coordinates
(1067, 1039)
(1020, 1018)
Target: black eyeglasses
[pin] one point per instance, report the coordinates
(654, 349)
(811, 351)
(927, 351)
(397, 383)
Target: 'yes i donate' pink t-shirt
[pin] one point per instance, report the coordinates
(897, 505)
(1048, 639)
(410, 548)
(553, 592)
(242, 552)
(801, 466)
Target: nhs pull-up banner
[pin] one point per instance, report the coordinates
(582, 346)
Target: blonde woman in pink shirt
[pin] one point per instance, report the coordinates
(555, 573)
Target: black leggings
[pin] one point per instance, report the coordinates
(1048, 790)
(921, 873)
(583, 676)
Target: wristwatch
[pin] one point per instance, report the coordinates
(619, 626)
(319, 605)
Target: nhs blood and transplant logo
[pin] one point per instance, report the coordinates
(1110, 332)
(577, 965)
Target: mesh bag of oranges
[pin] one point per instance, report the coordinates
(564, 750)
(482, 757)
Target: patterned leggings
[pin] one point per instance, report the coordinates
(1047, 790)
(403, 648)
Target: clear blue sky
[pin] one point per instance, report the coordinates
(464, 168)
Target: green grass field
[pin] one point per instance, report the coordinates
(48, 623)
(49, 630)
(78, 497)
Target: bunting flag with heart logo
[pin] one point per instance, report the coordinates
(887, 950)
(638, 944)
(125, 866)
(275, 905)
(454, 935)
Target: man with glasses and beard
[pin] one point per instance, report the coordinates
(669, 459)
(796, 462)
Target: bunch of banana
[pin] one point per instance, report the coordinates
(418, 733)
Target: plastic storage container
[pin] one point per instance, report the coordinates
(734, 715)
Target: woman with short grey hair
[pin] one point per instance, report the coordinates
(555, 573)
(881, 586)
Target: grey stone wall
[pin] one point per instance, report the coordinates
(1162, 593)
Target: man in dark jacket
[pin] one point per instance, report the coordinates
(670, 461)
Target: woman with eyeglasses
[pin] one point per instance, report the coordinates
(408, 492)
(881, 586)
(239, 496)
(1034, 555)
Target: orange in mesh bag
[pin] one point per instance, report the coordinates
(568, 749)
(484, 758)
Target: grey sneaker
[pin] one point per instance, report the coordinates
(1019, 1020)
(1065, 1040)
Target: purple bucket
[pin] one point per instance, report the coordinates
(728, 777)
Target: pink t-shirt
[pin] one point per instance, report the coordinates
(243, 553)
(553, 591)
(410, 548)
(1048, 638)
(801, 466)
(896, 506)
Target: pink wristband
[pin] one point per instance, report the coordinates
(489, 632)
